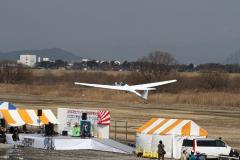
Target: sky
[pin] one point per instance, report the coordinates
(193, 31)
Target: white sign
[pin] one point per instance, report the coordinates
(68, 118)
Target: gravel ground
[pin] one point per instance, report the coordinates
(5, 146)
(38, 154)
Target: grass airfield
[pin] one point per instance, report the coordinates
(219, 121)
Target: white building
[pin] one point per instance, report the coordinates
(85, 60)
(46, 59)
(28, 60)
(39, 59)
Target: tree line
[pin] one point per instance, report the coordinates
(154, 67)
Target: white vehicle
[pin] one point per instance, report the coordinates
(212, 148)
(133, 89)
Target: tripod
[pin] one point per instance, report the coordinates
(48, 143)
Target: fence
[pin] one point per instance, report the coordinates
(119, 130)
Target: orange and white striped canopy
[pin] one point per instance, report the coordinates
(20, 117)
(163, 126)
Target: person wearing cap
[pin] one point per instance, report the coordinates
(161, 150)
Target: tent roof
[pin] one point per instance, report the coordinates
(20, 117)
(163, 126)
(7, 105)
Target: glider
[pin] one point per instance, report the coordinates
(133, 88)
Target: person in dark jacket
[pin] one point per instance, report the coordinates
(15, 137)
(233, 153)
(2, 135)
(161, 150)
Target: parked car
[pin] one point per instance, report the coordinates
(212, 148)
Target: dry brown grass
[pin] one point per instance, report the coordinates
(199, 98)
(212, 98)
(59, 73)
(216, 111)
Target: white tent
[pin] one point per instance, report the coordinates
(7, 106)
(170, 131)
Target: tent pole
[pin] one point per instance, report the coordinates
(115, 129)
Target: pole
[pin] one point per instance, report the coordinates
(126, 131)
(39, 122)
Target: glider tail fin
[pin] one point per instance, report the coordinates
(145, 94)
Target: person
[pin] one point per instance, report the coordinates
(11, 129)
(184, 155)
(24, 128)
(15, 136)
(161, 150)
(192, 156)
(197, 156)
(49, 130)
(76, 131)
(233, 153)
(3, 134)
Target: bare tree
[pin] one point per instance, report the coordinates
(156, 65)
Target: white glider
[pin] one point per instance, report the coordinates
(133, 89)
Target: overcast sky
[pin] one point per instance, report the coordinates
(194, 31)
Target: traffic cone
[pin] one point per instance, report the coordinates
(138, 149)
(151, 154)
(144, 153)
(155, 155)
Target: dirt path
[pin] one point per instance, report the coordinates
(219, 121)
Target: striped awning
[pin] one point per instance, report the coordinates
(20, 117)
(163, 126)
(7, 105)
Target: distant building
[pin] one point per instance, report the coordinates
(28, 60)
(39, 59)
(85, 60)
(46, 59)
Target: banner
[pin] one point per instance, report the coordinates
(99, 120)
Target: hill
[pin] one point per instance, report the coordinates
(52, 53)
